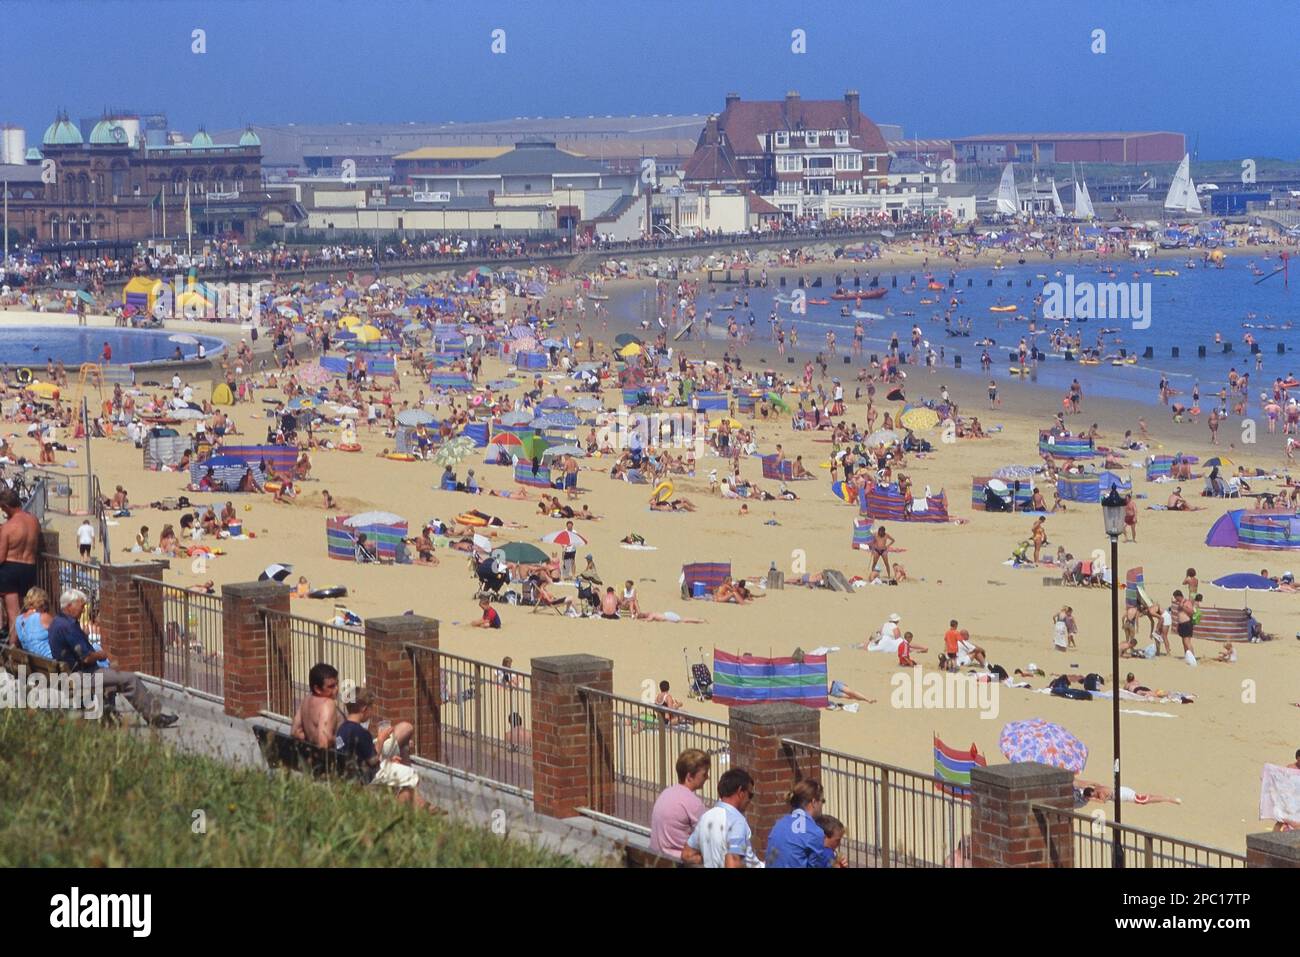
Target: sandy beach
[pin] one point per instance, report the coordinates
(1208, 753)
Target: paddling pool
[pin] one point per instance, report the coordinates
(32, 345)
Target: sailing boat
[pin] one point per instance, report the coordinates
(1182, 191)
(1082, 201)
(1058, 208)
(1007, 199)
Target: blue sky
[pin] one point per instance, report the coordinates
(1224, 73)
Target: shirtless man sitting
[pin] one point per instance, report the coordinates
(1176, 501)
(318, 715)
(20, 540)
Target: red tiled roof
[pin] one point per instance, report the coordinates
(743, 122)
(711, 162)
(757, 204)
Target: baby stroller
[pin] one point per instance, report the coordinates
(699, 680)
(588, 596)
(490, 581)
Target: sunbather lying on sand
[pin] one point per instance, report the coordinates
(1103, 794)
(670, 616)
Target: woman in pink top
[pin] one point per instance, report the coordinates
(678, 809)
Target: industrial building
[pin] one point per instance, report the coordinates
(994, 149)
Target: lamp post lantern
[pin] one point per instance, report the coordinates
(1112, 511)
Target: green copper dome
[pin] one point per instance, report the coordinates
(201, 140)
(62, 132)
(250, 138)
(106, 132)
(34, 155)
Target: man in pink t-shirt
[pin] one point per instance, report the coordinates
(679, 808)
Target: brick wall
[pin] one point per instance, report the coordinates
(130, 617)
(1273, 849)
(1005, 832)
(565, 753)
(247, 659)
(390, 668)
(756, 733)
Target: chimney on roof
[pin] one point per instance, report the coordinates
(711, 129)
(851, 105)
(792, 98)
(732, 98)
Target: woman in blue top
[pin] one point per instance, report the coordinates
(33, 625)
(796, 840)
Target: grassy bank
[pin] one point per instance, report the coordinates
(77, 794)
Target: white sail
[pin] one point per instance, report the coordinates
(1082, 201)
(1182, 191)
(1007, 198)
(1058, 209)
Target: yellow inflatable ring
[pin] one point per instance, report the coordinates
(24, 375)
(663, 491)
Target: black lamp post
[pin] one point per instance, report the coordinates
(1112, 511)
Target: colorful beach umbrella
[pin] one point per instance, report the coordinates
(1043, 742)
(1245, 581)
(1220, 461)
(505, 439)
(414, 417)
(275, 572)
(882, 437)
(525, 552)
(532, 446)
(919, 418)
(845, 491)
(519, 417)
(565, 538)
(454, 451)
(625, 338)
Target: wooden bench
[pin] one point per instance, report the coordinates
(1223, 624)
(285, 751)
(13, 658)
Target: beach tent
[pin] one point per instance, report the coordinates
(885, 504)
(746, 679)
(1066, 446)
(477, 432)
(334, 365)
(164, 446)
(531, 360)
(141, 293)
(281, 458)
(1021, 489)
(1089, 489)
(1239, 528)
(383, 530)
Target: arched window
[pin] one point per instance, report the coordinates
(238, 176)
(119, 178)
(178, 182)
(83, 188)
(218, 180)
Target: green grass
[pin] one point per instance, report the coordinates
(75, 793)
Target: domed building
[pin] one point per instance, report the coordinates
(116, 187)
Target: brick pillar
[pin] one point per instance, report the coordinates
(573, 762)
(756, 733)
(1005, 831)
(128, 613)
(1273, 849)
(390, 668)
(247, 658)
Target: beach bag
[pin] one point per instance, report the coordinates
(1093, 681)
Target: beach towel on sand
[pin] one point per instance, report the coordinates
(1279, 794)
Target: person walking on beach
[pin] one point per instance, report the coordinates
(1130, 519)
(1183, 609)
